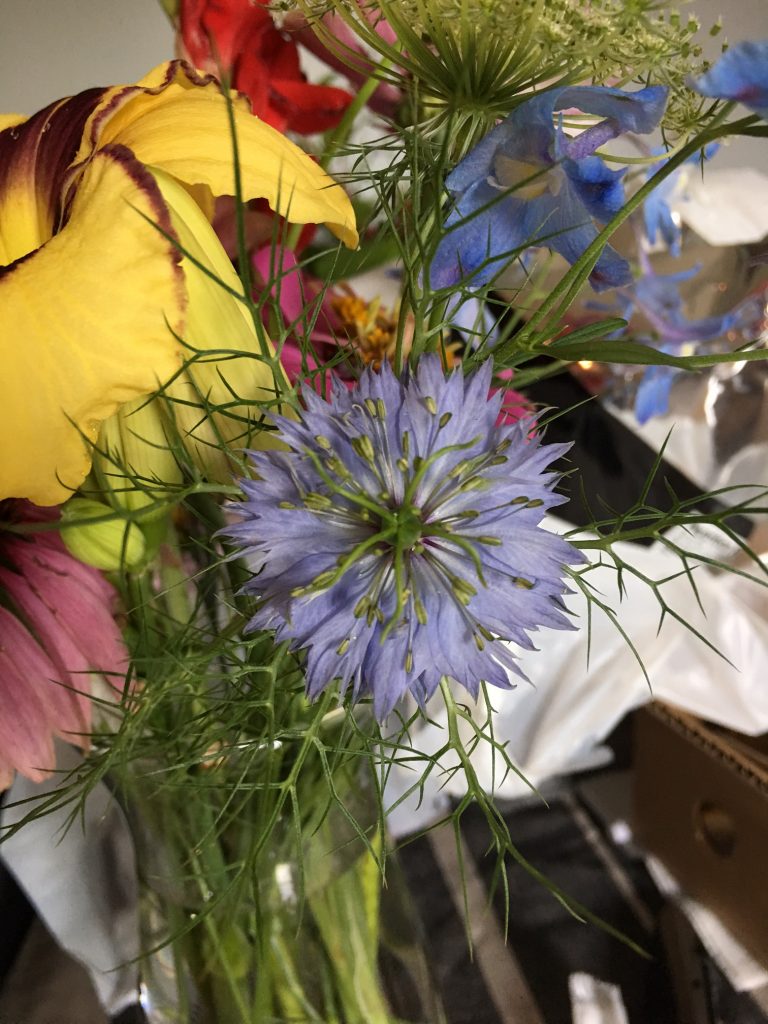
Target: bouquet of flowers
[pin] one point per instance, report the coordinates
(259, 520)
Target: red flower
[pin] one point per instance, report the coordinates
(56, 628)
(240, 37)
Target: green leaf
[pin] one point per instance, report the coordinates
(620, 351)
(509, 353)
(341, 265)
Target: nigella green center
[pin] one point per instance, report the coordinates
(408, 527)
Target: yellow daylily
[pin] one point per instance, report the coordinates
(217, 401)
(93, 298)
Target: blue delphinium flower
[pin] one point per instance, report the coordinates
(660, 223)
(527, 183)
(654, 389)
(398, 541)
(657, 298)
(741, 75)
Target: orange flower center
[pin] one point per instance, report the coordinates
(372, 331)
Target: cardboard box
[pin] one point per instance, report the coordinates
(701, 807)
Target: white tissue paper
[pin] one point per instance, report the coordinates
(582, 683)
(81, 878)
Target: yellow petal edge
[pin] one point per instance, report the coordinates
(177, 120)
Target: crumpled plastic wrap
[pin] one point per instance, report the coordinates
(582, 683)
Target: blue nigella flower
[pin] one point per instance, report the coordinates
(398, 541)
(527, 183)
(741, 74)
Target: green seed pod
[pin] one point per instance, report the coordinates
(97, 535)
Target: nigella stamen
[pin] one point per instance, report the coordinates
(463, 544)
(364, 536)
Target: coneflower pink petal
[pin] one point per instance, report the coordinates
(69, 667)
(26, 726)
(56, 631)
(79, 601)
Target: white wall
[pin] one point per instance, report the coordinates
(53, 48)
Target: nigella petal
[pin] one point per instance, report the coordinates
(384, 668)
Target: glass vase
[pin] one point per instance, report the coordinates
(295, 937)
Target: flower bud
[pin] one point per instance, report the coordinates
(134, 463)
(96, 535)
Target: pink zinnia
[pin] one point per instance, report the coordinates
(56, 628)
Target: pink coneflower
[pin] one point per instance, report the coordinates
(56, 628)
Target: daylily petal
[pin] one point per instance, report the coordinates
(241, 386)
(202, 22)
(85, 327)
(34, 155)
(309, 108)
(350, 59)
(177, 120)
(11, 120)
